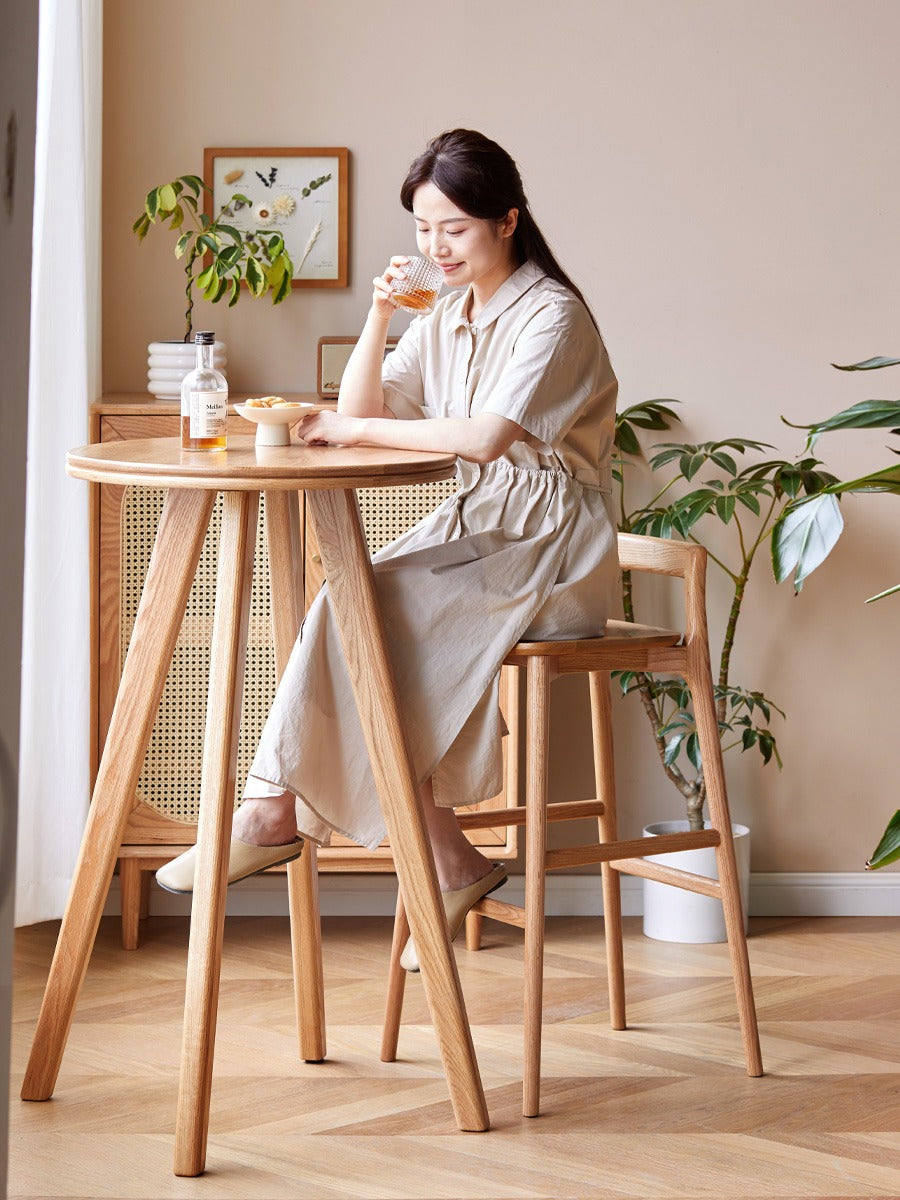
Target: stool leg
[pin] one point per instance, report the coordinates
(130, 887)
(474, 923)
(396, 986)
(284, 540)
(306, 953)
(605, 781)
(179, 541)
(226, 678)
(720, 819)
(537, 708)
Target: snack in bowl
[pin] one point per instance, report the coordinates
(272, 416)
(271, 402)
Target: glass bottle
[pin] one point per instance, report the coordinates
(204, 400)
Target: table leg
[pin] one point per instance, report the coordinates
(223, 713)
(179, 541)
(348, 570)
(285, 544)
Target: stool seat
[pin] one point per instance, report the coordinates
(625, 646)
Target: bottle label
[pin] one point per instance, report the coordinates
(208, 414)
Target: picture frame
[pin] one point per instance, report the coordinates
(333, 356)
(300, 192)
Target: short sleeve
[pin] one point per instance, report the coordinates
(558, 364)
(401, 378)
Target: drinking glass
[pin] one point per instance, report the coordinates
(419, 290)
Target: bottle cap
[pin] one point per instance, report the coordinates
(204, 338)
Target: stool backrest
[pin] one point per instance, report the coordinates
(664, 556)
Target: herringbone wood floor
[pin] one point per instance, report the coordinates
(662, 1110)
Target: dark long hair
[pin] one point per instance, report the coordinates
(484, 181)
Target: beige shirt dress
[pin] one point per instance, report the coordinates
(525, 549)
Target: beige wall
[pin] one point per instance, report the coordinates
(719, 179)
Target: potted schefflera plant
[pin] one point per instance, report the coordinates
(731, 486)
(217, 259)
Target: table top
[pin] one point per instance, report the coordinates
(160, 462)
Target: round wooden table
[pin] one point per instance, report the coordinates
(328, 475)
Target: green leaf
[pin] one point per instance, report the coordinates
(275, 274)
(229, 257)
(888, 849)
(692, 747)
(205, 278)
(194, 182)
(141, 225)
(725, 508)
(167, 198)
(151, 203)
(725, 461)
(804, 536)
(234, 286)
(256, 280)
(230, 231)
(887, 480)
(182, 244)
(626, 440)
(887, 592)
(208, 242)
(210, 292)
(749, 501)
(177, 217)
(869, 364)
(672, 748)
(867, 414)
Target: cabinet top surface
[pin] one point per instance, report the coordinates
(244, 466)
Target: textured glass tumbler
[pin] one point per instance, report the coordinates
(419, 290)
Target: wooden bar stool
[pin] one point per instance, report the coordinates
(628, 647)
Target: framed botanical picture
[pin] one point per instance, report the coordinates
(334, 354)
(303, 194)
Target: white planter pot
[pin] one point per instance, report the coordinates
(673, 915)
(169, 362)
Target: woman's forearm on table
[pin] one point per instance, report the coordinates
(481, 438)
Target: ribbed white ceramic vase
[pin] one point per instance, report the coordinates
(673, 915)
(169, 362)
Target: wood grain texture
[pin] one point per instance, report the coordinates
(661, 1110)
(161, 462)
(169, 578)
(352, 588)
(226, 680)
(284, 535)
(623, 646)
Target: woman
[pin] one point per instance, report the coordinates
(509, 373)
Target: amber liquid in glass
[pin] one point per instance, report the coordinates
(416, 299)
(207, 443)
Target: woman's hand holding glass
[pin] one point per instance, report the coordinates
(412, 283)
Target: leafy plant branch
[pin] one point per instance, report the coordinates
(703, 484)
(232, 257)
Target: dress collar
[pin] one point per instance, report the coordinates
(521, 281)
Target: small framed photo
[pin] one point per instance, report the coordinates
(334, 354)
(301, 193)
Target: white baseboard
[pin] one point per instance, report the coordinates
(775, 894)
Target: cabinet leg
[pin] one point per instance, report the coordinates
(131, 879)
